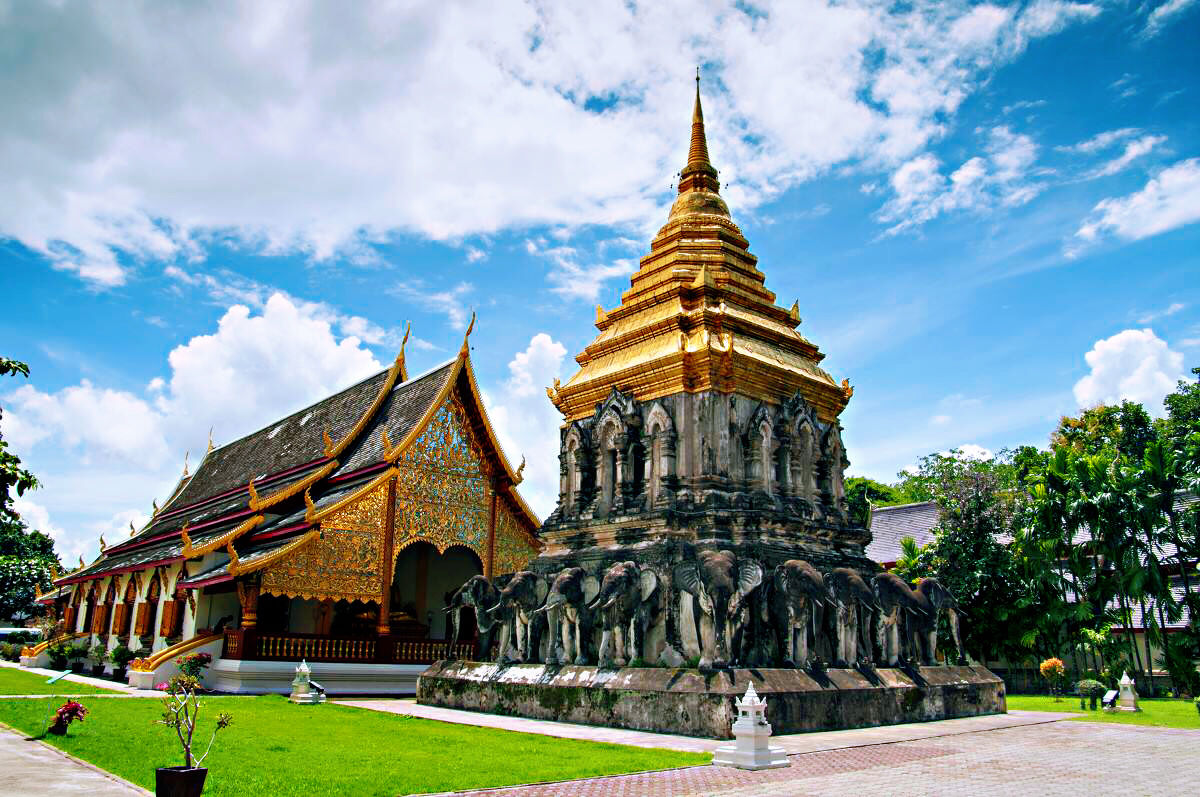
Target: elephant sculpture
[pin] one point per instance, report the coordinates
(566, 613)
(898, 608)
(797, 593)
(934, 598)
(477, 594)
(854, 606)
(517, 605)
(720, 584)
(621, 606)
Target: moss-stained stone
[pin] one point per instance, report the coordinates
(701, 704)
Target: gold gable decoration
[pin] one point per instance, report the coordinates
(442, 491)
(514, 550)
(343, 563)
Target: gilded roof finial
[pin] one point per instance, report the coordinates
(233, 559)
(465, 348)
(81, 562)
(309, 507)
(154, 504)
(132, 530)
(185, 464)
(253, 494)
(699, 172)
(210, 442)
(187, 541)
(403, 375)
(520, 474)
(103, 544)
(328, 442)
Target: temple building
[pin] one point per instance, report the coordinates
(336, 535)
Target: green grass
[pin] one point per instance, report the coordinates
(15, 682)
(274, 747)
(1159, 712)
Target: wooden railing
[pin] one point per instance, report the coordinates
(251, 644)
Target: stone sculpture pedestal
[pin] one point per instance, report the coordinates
(752, 750)
(696, 703)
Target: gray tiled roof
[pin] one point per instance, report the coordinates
(890, 524)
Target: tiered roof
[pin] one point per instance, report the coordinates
(266, 491)
(698, 315)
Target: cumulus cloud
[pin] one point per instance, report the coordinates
(322, 129)
(999, 178)
(254, 368)
(1169, 200)
(1134, 364)
(527, 422)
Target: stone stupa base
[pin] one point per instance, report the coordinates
(695, 703)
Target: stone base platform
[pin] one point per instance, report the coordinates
(698, 703)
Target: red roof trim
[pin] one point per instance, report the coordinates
(103, 573)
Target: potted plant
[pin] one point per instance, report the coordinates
(194, 664)
(181, 709)
(67, 713)
(77, 654)
(121, 656)
(1091, 690)
(98, 655)
(59, 653)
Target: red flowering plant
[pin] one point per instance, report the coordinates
(67, 713)
(193, 664)
(1053, 671)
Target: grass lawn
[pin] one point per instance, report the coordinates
(1160, 712)
(274, 747)
(16, 682)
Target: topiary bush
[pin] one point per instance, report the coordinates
(1091, 690)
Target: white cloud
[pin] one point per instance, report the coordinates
(528, 423)
(123, 448)
(320, 130)
(1169, 200)
(1100, 141)
(999, 178)
(1134, 364)
(36, 517)
(1166, 312)
(967, 451)
(573, 279)
(940, 420)
(1164, 15)
(1133, 150)
(448, 302)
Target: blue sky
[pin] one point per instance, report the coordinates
(213, 216)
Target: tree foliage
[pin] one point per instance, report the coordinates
(27, 558)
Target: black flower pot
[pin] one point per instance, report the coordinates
(77, 666)
(119, 674)
(98, 670)
(179, 781)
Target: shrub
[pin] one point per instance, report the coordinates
(193, 664)
(98, 654)
(77, 652)
(1090, 689)
(59, 653)
(1053, 670)
(121, 656)
(8, 650)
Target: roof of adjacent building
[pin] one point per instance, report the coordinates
(890, 524)
(253, 490)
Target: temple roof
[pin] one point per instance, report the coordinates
(698, 315)
(255, 491)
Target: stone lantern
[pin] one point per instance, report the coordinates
(302, 690)
(752, 734)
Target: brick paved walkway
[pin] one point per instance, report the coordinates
(1059, 757)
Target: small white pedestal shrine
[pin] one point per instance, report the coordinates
(1128, 698)
(302, 691)
(752, 734)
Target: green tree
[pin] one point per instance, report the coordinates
(27, 558)
(1115, 430)
(863, 493)
(1183, 411)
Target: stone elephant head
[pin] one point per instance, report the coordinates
(720, 584)
(620, 606)
(566, 613)
(477, 594)
(516, 605)
(899, 610)
(935, 598)
(797, 592)
(854, 606)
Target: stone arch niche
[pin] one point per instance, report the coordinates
(575, 470)
(833, 465)
(658, 442)
(760, 451)
(423, 580)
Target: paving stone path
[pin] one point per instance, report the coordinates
(31, 769)
(1059, 757)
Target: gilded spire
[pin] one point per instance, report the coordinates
(699, 173)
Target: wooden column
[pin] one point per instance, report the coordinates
(247, 592)
(489, 565)
(384, 626)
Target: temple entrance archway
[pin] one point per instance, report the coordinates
(423, 582)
